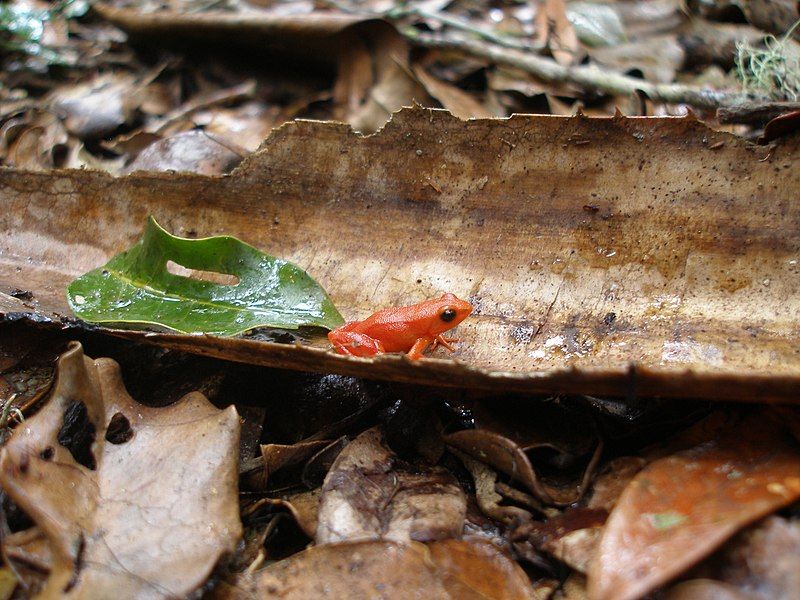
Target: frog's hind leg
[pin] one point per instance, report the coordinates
(356, 344)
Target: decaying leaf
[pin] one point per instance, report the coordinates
(133, 501)
(138, 287)
(680, 508)
(445, 569)
(367, 495)
(623, 280)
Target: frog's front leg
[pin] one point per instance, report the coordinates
(440, 340)
(419, 347)
(355, 344)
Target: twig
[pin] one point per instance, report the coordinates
(461, 25)
(755, 113)
(588, 77)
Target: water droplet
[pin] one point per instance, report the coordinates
(79, 299)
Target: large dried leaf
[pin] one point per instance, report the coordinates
(148, 508)
(681, 508)
(445, 569)
(628, 256)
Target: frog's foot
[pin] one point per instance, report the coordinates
(440, 340)
(355, 344)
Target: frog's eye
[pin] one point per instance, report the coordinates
(447, 315)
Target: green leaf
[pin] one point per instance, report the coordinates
(136, 287)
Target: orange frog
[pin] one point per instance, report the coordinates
(408, 329)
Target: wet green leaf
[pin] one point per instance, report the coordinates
(136, 287)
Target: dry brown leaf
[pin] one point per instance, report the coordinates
(612, 481)
(448, 569)
(486, 495)
(246, 126)
(304, 507)
(704, 589)
(776, 16)
(146, 510)
(572, 536)
(763, 561)
(97, 108)
(680, 508)
(189, 152)
(645, 18)
(554, 29)
(394, 85)
(506, 455)
(658, 58)
(277, 456)
(456, 100)
(27, 552)
(623, 280)
(367, 496)
(33, 140)
(354, 77)
(574, 588)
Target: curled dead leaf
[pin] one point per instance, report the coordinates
(133, 501)
(507, 456)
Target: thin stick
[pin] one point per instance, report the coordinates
(588, 77)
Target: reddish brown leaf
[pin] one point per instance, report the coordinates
(134, 501)
(681, 508)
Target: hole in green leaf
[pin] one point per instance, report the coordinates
(210, 276)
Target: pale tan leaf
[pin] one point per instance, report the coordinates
(145, 511)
